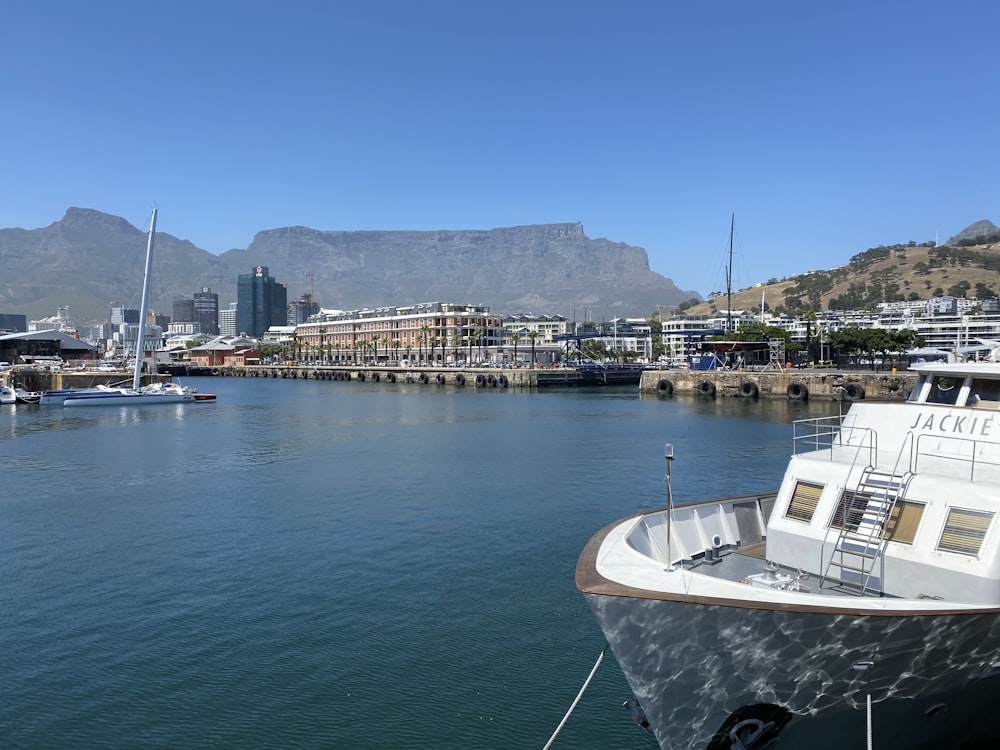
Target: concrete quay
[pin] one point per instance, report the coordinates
(525, 377)
(476, 377)
(790, 384)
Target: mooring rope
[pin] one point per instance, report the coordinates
(577, 700)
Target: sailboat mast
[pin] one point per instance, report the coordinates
(729, 276)
(144, 305)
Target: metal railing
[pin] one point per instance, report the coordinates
(971, 459)
(828, 433)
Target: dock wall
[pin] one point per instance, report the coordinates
(790, 384)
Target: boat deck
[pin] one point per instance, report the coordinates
(737, 564)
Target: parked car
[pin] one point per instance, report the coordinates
(5, 366)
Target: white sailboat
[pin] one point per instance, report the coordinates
(137, 395)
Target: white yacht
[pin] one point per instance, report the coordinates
(860, 600)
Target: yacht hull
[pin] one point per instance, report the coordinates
(699, 670)
(126, 399)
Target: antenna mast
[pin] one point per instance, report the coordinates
(729, 276)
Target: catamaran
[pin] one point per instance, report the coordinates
(137, 395)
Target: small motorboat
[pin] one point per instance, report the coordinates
(26, 397)
(7, 395)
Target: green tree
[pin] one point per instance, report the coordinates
(983, 291)
(959, 289)
(268, 351)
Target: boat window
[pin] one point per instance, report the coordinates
(804, 500)
(985, 393)
(852, 506)
(903, 521)
(944, 390)
(964, 531)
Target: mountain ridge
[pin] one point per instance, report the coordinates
(89, 259)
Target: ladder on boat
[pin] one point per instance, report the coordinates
(865, 518)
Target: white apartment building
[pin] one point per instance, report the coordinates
(545, 327)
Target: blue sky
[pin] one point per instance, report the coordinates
(826, 128)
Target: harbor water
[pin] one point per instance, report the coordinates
(321, 564)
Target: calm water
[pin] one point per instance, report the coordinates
(320, 564)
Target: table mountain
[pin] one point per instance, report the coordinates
(89, 258)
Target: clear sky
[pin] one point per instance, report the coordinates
(826, 128)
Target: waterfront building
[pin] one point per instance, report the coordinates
(626, 335)
(545, 327)
(430, 332)
(261, 302)
(50, 345)
(220, 352)
(682, 336)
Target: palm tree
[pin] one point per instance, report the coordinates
(810, 318)
(532, 335)
(456, 342)
(425, 332)
(479, 338)
(514, 338)
(395, 349)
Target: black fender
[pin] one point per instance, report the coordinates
(797, 391)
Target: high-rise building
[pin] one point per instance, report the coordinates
(227, 320)
(261, 303)
(301, 309)
(206, 310)
(183, 311)
(203, 309)
(119, 315)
